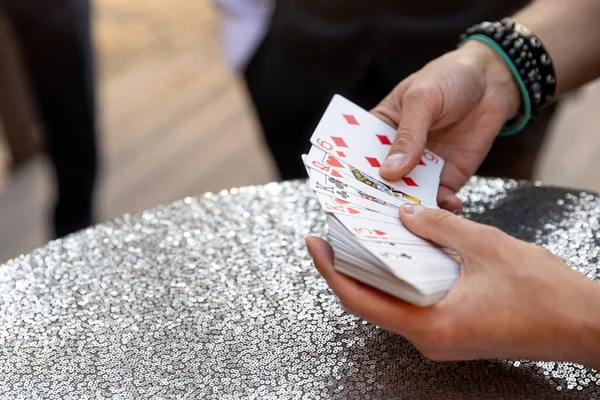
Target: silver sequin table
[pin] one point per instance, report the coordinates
(217, 298)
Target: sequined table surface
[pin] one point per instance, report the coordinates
(217, 298)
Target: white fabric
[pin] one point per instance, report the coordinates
(243, 26)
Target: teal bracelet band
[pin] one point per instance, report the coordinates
(507, 130)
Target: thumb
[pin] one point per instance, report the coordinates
(420, 108)
(440, 226)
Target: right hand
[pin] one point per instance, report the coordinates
(455, 106)
(512, 300)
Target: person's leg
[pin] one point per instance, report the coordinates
(305, 59)
(283, 111)
(56, 43)
(289, 98)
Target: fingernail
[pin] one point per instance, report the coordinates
(394, 162)
(412, 209)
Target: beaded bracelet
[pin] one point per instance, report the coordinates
(527, 55)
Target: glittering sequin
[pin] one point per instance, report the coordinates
(217, 298)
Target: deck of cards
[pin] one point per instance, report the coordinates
(369, 241)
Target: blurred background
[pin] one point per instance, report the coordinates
(173, 121)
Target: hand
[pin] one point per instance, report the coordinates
(512, 300)
(455, 106)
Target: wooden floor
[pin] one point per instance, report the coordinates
(176, 123)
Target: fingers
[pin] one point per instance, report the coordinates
(362, 300)
(387, 115)
(420, 109)
(345, 287)
(447, 200)
(441, 227)
(322, 254)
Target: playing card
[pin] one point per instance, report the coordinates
(369, 241)
(325, 163)
(338, 186)
(328, 185)
(392, 252)
(410, 265)
(387, 282)
(377, 230)
(337, 206)
(360, 139)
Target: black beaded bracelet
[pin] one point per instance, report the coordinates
(528, 55)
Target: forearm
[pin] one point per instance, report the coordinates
(570, 31)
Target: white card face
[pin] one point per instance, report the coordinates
(410, 255)
(413, 266)
(360, 139)
(380, 231)
(335, 188)
(325, 163)
(337, 206)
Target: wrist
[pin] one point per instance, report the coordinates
(497, 76)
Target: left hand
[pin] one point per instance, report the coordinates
(512, 300)
(455, 106)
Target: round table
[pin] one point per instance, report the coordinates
(216, 297)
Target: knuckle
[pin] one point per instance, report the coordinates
(484, 240)
(406, 136)
(438, 218)
(423, 96)
(419, 94)
(488, 235)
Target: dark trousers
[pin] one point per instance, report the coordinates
(55, 39)
(291, 89)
